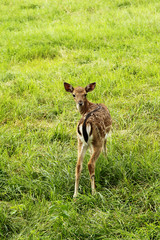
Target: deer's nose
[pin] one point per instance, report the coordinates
(80, 103)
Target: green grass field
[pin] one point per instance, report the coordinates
(115, 44)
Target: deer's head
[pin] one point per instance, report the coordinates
(79, 93)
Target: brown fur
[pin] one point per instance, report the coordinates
(99, 125)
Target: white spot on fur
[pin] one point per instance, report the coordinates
(88, 129)
(106, 136)
(80, 128)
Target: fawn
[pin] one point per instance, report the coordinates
(92, 130)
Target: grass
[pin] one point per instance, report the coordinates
(44, 43)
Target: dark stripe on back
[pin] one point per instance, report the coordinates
(85, 135)
(79, 131)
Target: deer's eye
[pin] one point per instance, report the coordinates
(74, 95)
(85, 95)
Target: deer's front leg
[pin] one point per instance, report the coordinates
(81, 153)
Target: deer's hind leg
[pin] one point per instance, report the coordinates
(91, 166)
(81, 153)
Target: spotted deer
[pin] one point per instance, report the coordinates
(92, 130)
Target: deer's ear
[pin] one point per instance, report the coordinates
(68, 87)
(90, 87)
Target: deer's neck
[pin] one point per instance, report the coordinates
(85, 108)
